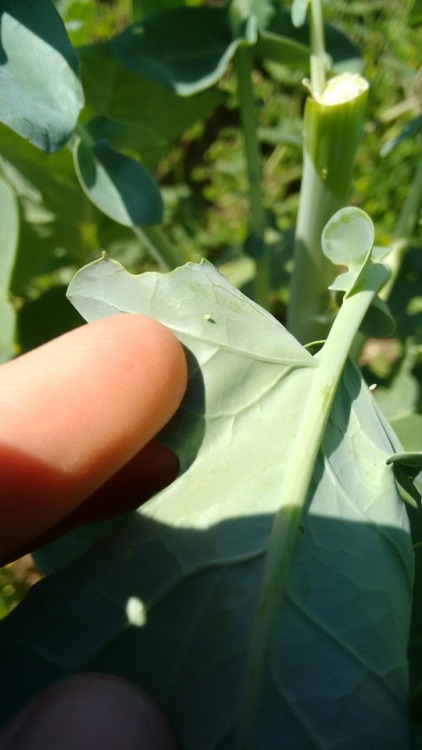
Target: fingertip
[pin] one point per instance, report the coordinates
(157, 345)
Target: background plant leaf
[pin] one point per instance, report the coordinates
(59, 225)
(137, 107)
(409, 130)
(415, 15)
(60, 230)
(143, 8)
(299, 11)
(118, 185)
(280, 49)
(408, 473)
(186, 49)
(399, 403)
(344, 53)
(378, 321)
(41, 95)
(169, 599)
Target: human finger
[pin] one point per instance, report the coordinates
(148, 472)
(76, 410)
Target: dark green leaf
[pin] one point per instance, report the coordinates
(41, 95)
(126, 135)
(408, 472)
(281, 49)
(378, 321)
(344, 53)
(118, 185)
(186, 49)
(46, 317)
(409, 484)
(143, 8)
(135, 105)
(415, 15)
(412, 460)
(405, 299)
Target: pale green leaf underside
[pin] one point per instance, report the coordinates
(169, 599)
(195, 301)
(347, 240)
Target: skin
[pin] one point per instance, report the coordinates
(78, 418)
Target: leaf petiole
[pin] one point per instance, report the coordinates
(295, 491)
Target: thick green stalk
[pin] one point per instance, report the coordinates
(243, 67)
(331, 360)
(332, 129)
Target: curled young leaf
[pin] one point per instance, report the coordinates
(348, 238)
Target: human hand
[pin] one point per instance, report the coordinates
(78, 420)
